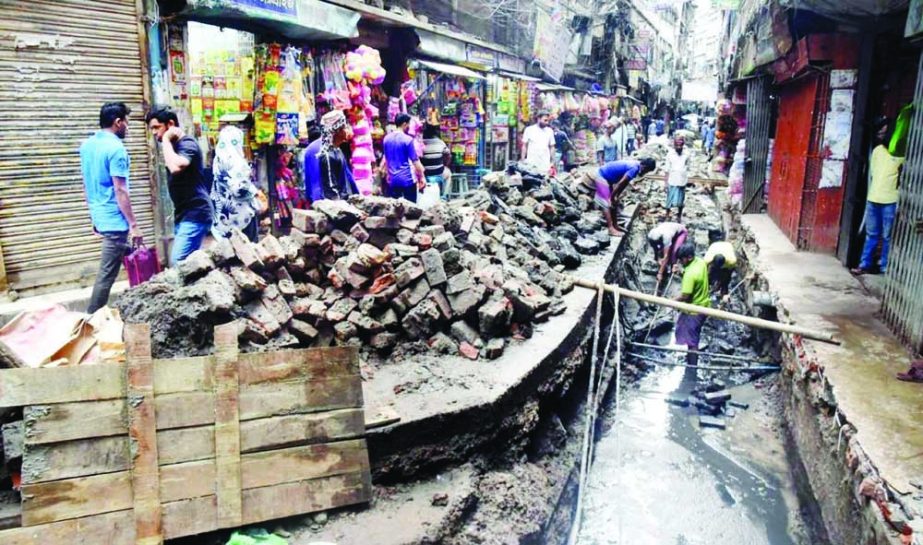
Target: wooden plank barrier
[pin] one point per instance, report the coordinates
(159, 449)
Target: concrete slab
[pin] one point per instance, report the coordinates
(817, 291)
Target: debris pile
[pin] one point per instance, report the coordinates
(374, 272)
(712, 402)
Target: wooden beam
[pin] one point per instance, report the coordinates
(83, 496)
(142, 432)
(27, 386)
(227, 428)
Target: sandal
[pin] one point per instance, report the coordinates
(914, 374)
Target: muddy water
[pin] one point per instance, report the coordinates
(659, 479)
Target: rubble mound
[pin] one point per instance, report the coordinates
(458, 278)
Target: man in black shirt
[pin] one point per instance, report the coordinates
(186, 182)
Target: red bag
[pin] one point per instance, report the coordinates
(141, 264)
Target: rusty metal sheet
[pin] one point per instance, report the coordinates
(60, 60)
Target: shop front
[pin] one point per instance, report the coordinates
(58, 66)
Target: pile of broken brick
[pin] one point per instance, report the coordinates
(461, 277)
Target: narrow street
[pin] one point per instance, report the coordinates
(468, 272)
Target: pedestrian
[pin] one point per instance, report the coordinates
(710, 138)
(721, 260)
(606, 150)
(233, 193)
(186, 183)
(881, 202)
(401, 165)
(694, 291)
(538, 144)
(620, 136)
(104, 163)
(651, 131)
(665, 240)
(610, 181)
(327, 174)
(436, 157)
(631, 134)
(677, 176)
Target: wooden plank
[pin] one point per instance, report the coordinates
(19, 387)
(285, 365)
(27, 386)
(78, 420)
(142, 432)
(112, 529)
(79, 497)
(227, 427)
(48, 462)
(315, 396)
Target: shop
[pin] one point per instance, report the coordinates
(578, 117)
(58, 66)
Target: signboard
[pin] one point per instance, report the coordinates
(511, 63)
(726, 4)
(636, 64)
(552, 42)
(479, 55)
(634, 79)
(284, 7)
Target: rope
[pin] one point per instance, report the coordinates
(594, 397)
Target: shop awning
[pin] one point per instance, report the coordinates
(553, 87)
(514, 75)
(451, 69)
(441, 47)
(307, 20)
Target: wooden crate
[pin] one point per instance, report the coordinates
(158, 449)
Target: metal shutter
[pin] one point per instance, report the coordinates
(60, 60)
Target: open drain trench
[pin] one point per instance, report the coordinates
(658, 476)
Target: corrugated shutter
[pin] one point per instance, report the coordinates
(902, 303)
(759, 111)
(60, 60)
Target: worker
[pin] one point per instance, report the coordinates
(721, 260)
(665, 239)
(611, 180)
(677, 176)
(694, 291)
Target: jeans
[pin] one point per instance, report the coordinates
(188, 237)
(408, 192)
(115, 247)
(879, 218)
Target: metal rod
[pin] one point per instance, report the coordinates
(659, 309)
(705, 367)
(711, 312)
(714, 355)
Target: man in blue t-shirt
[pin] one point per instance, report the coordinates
(401, 163)
(104, 163)
(610, 181)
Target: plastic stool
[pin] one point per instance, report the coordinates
(459, 186)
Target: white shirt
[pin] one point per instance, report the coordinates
(677, 167)
(538, 142)
(620, 137)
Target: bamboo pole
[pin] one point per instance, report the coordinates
(710, 312)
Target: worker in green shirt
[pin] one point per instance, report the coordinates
(694, 291)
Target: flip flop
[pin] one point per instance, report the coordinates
(914, 374)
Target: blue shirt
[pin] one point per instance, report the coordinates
(102, 157)
(400, 154)
(710, 136)
(613, 171)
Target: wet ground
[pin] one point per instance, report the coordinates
(659, 477)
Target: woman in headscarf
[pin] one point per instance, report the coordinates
(327, 174)
(233, 193)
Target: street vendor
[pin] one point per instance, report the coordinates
(327, 172)
(610, 181)
(665, 239)
(721, 260)
(694, 291)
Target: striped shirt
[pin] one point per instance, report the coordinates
(433, 150)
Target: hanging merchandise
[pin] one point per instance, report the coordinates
(362, 68)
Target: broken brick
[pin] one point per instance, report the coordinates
(274, 253)
(466, 301)
(383, 341)
(261, 320)
(465, 333)
(408, 271)
(370, 256)
(381, 283)
(341, 309)
(433, 230)
(494, 348)
(245, 250)
(221, 251)
(445, 308)
(421, 320)
(459, 283)
(444, 241)
(468, 351)
(387, 318)
(343, 331)
(196, 264)
(274, 302)
(304, 331)
(422, 240)
(443, 344)
(412, 296)
(341, 213)
(310, 221)
(451, 261)
(365, 323)
(359, 233)
(404, 236)
(247, 280)
(494, 316)
(432, 265)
